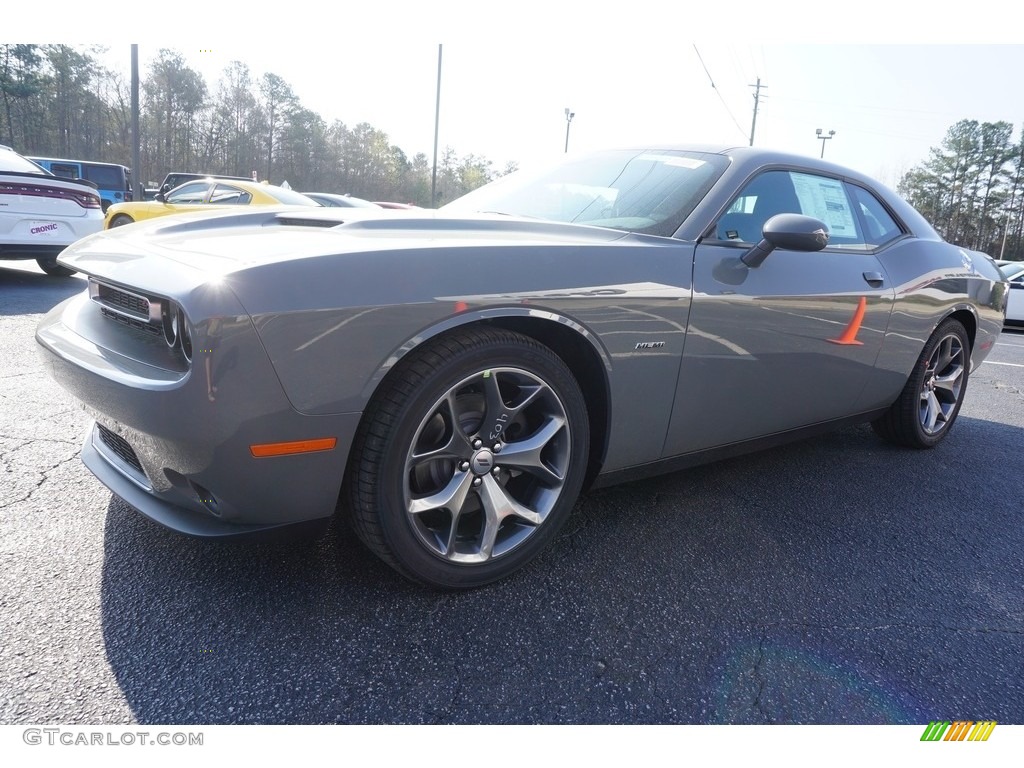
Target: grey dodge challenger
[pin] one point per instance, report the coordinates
(450, 380)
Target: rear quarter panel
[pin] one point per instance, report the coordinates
(933, 280)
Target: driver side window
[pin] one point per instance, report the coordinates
(821, 197)
(766, 195)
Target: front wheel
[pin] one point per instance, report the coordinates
(120, 220)
(469, 459)
(926, 409)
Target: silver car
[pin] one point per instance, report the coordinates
(454, 378)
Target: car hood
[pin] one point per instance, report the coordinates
(222, 243)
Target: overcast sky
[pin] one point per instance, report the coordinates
(630, 71)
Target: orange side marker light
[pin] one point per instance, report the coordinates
(266, 450)
(849, 336)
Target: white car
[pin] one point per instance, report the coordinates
(1014, 272)
(41, 214)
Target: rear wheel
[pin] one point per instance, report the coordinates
(926, 409)
(52, 268)
(120, 220)
(469, 459)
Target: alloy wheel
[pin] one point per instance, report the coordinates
(940, 388)
(487, 464)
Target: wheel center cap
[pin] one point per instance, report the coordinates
(482, 462)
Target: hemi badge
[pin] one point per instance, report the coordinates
(649, 345)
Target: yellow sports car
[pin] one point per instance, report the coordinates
(200, 195)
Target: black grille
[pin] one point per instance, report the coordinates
(120, 446)
(113, 297)
(131, 322)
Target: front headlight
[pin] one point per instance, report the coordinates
(185, 334)
(170, 322)
(176, 328)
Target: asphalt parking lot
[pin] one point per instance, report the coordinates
(836, 580)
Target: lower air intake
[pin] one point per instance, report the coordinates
(120, 446)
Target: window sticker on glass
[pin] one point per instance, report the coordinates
(825, 199)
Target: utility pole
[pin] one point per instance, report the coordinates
(569, 115)
(757, 99)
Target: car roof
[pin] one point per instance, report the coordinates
(247, 184)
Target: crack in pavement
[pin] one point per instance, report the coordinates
(44, 476)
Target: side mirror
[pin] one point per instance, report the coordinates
(789, 231)
(160, 197)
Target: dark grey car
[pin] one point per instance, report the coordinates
(454, 378)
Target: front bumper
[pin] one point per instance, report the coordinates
(175, 444)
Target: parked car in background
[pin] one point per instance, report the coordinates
(41, 214)
(202, 195)
(332, 200)
(113, 181)
(456, 378)
(1013, 271)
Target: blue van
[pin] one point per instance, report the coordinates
(113, 181)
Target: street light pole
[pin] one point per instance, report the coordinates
(569, 115)
(437, 124)
(824, 138)
(138, 183)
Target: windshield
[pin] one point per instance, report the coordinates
(648, 191)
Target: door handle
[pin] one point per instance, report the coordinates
(874, 279)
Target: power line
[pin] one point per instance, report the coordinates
(715, 89)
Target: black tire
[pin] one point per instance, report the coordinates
(469, 458)
(52, 268)
(120, 220)
(924, 412)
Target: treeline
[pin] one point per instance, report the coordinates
(970, 188)
(59, 101)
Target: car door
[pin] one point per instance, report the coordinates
(791, 342)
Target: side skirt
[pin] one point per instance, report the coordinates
(696, 458)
